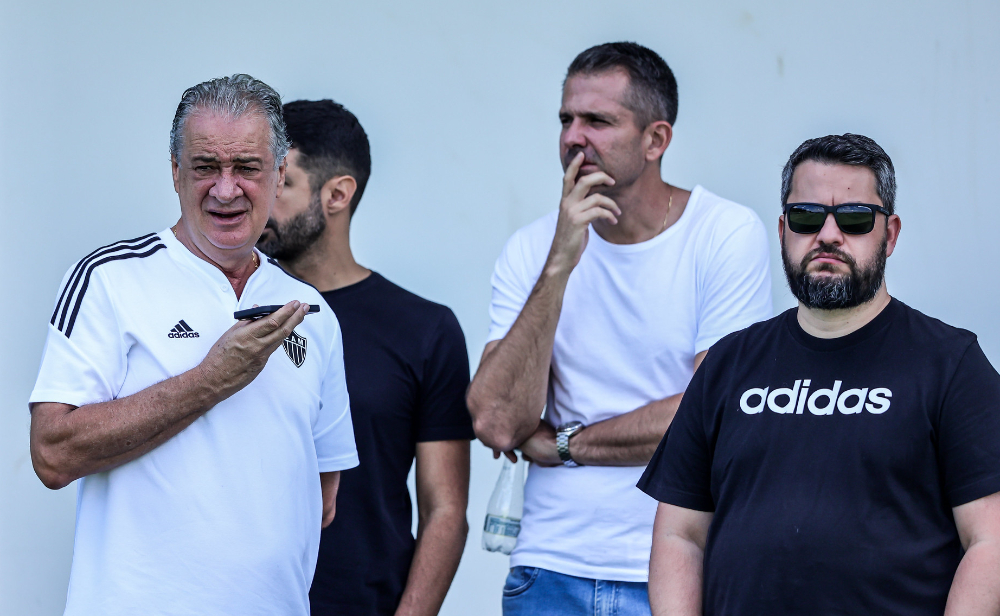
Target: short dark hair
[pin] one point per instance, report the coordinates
(652, 91)
(846, 149)
(330, 142)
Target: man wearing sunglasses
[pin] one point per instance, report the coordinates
(843, 457)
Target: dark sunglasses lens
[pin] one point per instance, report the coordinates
(855, 219)
(805, 218)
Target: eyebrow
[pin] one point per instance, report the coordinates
(237, 159)
(589, 116)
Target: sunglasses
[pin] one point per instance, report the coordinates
(852, 218)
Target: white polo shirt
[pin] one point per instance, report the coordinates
(223, 518)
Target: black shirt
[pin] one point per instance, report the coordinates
(839, 502)
(407, 370)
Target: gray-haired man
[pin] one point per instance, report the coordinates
(204, 463)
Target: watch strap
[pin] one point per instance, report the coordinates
(562, 446)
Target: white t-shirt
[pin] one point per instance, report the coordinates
(633, 318)
(224, 518)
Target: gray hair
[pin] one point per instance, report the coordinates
(233, 96)
(846, 149)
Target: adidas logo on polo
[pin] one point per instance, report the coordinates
(182, 330)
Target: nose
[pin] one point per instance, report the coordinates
(226, 187)
(830, 233)
(572, 135)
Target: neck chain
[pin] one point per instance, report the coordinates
(253, 255)
(670, 202)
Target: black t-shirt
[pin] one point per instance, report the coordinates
(407, 370)
(838, 501)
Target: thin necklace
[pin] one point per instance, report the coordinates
(670, 202)
(253, 255)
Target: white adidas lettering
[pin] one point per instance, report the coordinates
(796, 399)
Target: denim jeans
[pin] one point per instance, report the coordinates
(532, 591)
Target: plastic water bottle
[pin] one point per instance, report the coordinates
(503, 515)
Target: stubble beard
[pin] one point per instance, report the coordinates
(839, 291)
(293, 237)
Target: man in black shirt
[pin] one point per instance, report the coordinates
(843, 457)
(407, 370)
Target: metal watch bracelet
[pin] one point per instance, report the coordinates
(563, 433)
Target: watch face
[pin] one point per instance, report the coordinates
(570, 426)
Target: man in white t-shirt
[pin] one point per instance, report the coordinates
(601, 312)
(208, 462)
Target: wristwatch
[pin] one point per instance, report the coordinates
(563, 433)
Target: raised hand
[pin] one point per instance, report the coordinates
(242, 352)
(576, 211)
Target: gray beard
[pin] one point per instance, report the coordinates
(835, 292)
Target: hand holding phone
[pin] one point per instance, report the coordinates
(263, 311)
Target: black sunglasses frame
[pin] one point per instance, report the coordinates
(835, 210)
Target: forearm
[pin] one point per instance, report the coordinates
(626, 440)
(71, 442)
(440, 542)
(675, 577)
(976, 587)
(508, 393)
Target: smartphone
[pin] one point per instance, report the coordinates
(262, 311)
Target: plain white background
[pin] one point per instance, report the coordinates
(459, 100)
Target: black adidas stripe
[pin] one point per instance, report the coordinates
(186, 327)
(74, 279)
(286, 273)
(83, 277)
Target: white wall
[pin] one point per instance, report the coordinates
(460, 102)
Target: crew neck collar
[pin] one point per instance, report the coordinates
(880, 322)
(657, 239)
(372, 278)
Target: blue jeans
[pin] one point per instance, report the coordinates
(532, 591)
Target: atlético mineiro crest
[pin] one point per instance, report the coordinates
(295, 348)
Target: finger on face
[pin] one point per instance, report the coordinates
(589, 181)
(569, 178)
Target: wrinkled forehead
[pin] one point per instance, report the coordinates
(246, 134)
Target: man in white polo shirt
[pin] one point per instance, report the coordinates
(208, 459)
(601, 312)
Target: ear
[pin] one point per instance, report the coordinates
(892, 228)
(337, 193)
(281, 176)
(175, 171)
(656, 138)
(781, 229)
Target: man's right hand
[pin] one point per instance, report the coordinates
(242, 352)
(576, 211)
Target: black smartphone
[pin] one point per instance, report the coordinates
(261, 311)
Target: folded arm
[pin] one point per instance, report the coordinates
(628, 439)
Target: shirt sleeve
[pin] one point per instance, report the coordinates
(442, 413)
(85, 356)
(333, 431)
(736, 289)
(511, 288)
(969, 430)
(680, 472)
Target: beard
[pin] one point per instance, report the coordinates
(839, 291)
(288, 240)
